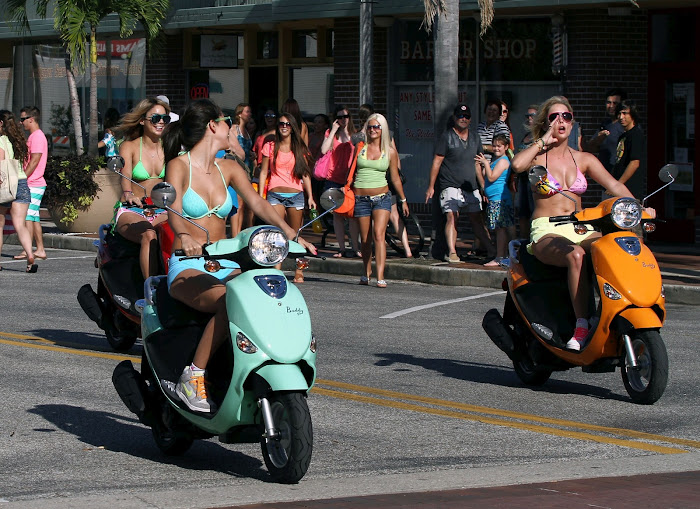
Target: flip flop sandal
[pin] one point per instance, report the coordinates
(381, 284)
(32, 268)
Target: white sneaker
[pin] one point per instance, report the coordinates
(192, 391)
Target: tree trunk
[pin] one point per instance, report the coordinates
(446, 35)
(74, 107)
(92, 128)
(446, 64)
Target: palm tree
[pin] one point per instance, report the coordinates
(76, 22)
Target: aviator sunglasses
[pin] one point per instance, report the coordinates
(375, 127)
(157, 117)
(566, 116)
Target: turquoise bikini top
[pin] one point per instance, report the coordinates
(194, 207)
(139, 173)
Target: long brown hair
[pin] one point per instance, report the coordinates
(11, 129)
(130, 127)
(298, 147)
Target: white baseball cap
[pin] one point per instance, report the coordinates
(163, 98)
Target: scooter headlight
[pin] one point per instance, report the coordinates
(626, 213)
(268, 246)
(244, 344)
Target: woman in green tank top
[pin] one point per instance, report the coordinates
(372, 196)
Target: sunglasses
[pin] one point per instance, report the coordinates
(566, 116)
(463, 115)
(284, 124)
(22, 119)
(228, 121)
(342, 116)
(529, 115)
(376, 127)
(157, 117)
(270, 115)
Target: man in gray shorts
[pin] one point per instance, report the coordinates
(454, 167)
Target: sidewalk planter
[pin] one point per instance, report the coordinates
(80, 193)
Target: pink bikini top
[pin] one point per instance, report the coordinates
(578, 187)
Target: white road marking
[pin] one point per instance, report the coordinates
(51, 258)
(441, 303)
(677, 274)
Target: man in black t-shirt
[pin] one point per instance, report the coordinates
(629, 168)
(454, 169)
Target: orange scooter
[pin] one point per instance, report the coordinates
(627, 302)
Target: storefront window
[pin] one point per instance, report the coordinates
(680, 147)
(304, 44)
(268, 46)
(312, 87)
(673, 38)
(38, 77)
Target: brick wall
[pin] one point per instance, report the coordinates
(165, 74)
(605, 52)
(347, 65)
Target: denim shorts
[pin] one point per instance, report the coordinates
(23, 195)
(364, 205)
(295, 201)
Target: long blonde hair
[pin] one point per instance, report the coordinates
(540, 122)
(385, 143)
(130, 127)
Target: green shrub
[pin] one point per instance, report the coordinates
(70, 184)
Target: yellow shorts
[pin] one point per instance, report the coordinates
(541, 226)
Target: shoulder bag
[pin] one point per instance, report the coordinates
(9, 176)
(347, 208)
(323, 166)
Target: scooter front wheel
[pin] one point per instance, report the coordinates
(647, 382)
(288, 455)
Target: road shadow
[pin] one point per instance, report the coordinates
(495, 375)
(117, 433)
(83, 340)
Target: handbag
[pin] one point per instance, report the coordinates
(323, 166)
(347, 208)
(9, 176)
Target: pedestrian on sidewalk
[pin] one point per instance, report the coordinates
(38, 156)
(455, 168)
(13, 145)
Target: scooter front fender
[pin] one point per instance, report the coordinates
(284, 377)
(641, 318)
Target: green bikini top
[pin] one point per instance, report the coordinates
(139, 173)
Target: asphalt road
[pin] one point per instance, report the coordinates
(406, 400)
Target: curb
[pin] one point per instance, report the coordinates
(397, 270)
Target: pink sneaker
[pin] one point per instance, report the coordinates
(576, 342)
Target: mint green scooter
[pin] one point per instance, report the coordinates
(259, 380)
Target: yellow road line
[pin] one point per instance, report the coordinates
(500, 422)
(44, 344)
(508, 413)
(75, 351)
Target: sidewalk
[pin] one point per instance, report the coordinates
(680, 264)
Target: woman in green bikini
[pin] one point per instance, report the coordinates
(144, 162)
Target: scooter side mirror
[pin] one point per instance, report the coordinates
(332, 198)
(115, 163)
(668, 173)
(163, 195)
(536, 174)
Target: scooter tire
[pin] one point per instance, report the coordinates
(528, 374)
(288, 458)
(646, 383)
(120, 341)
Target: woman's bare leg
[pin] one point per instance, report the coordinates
(380, 220)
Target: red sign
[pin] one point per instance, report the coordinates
(199, 91)
(119, 47)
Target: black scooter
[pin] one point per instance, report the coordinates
(119, 282)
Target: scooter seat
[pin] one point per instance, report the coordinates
(536, 270)
(119, 247)
(173, 314)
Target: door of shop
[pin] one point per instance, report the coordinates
(673, 76)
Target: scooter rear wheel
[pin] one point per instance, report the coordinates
(646, 383)
(288, 457)
(528, 374)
